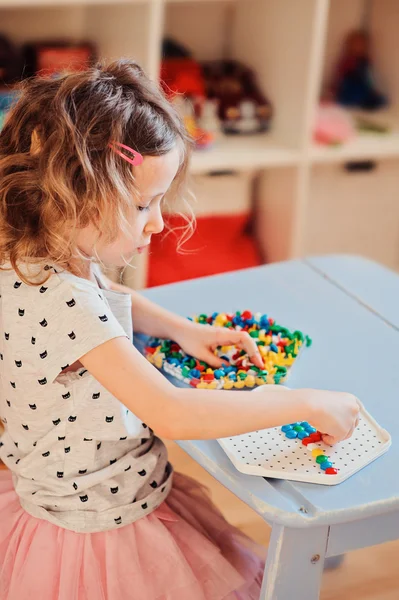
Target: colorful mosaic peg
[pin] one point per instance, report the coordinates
(310, 436)
(278, 346)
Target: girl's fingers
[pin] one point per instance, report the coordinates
(353, 429)
(244, 341)
(212, 360)
(251, 348)
(329, 440)
(350, 433)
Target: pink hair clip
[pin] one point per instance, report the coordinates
(137, 157)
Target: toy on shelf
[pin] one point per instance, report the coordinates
(334, 125)
(354, 84)
(225, 93)
(181, 74)
(183, 82)
(278, 347)
(202, 138)
(242, 106)
(209, 119)
(53, 59)
(367, 125)
(49, 59)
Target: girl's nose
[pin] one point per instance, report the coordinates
(155, 222)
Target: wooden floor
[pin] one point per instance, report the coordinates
(370, 574)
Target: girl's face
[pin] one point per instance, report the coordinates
(153, 179)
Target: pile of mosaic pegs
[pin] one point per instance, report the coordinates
(278, 346)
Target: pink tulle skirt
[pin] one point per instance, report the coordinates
(185, 550)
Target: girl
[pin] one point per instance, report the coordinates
(90, 508)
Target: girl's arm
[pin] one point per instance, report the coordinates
(197, 340)
(184, 413)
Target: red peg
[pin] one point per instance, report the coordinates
(208, 377)
(331, 471)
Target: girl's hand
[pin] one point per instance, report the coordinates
(334, 414)
(200, 341)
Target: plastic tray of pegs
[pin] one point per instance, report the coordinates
(269, 453)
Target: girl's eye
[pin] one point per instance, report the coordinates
(141, 208)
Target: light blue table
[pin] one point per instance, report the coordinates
(350, 307)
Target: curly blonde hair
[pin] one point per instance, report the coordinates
(57, 172)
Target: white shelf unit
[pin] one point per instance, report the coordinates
(244, 153)
(293, 47)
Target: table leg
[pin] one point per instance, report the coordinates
(295, 563)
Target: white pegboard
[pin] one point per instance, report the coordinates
(268, 453)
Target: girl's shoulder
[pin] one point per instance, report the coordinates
(62, 300)
(60, 319)
(53, 286)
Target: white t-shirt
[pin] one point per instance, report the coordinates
(79, 458)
